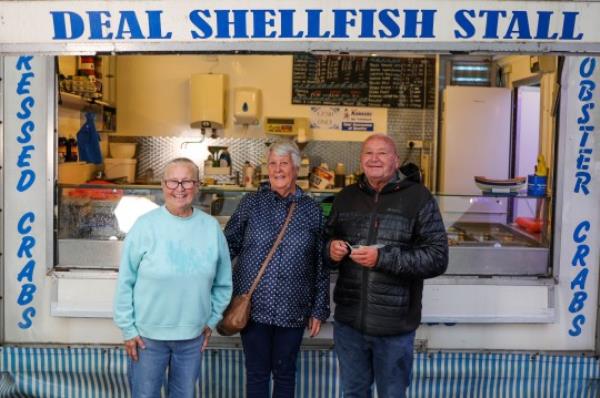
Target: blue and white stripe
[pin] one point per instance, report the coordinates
(99, 372)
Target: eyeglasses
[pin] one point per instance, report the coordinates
(186, 184)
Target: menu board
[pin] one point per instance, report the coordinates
(383, 82)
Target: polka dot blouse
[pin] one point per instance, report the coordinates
(295, 285)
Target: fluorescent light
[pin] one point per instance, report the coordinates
(471, 68)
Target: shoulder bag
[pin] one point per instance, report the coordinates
(237, 313)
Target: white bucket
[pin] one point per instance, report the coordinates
(116, 168)
(122, 150)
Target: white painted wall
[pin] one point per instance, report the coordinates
(528, 130)
(528, 143)
(69, 122)
(153, 94)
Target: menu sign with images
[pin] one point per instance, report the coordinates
(383, 82)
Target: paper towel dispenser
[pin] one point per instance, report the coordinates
(207, 101)
(246, 105)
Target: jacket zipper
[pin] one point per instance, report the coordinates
(365, 272)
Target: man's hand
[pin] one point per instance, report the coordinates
(338, 249)
(314, 325)
(131, 346)
(207, 332)
(365, 256)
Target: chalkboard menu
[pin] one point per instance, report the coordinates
(383, 82)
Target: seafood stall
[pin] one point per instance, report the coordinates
(521, 293)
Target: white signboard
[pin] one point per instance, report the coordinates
(341, 118)
(325, 117)
(63, 26)
(579, 192)
(354, 119)
(25, 164)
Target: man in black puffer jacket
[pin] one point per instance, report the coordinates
(385, 236)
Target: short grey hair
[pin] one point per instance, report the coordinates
(183, 161)
(283, 148)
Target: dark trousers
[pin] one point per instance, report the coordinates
(270, 350)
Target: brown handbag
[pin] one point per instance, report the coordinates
(237, 313)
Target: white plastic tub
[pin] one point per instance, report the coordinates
(116, 168)
(122, 150)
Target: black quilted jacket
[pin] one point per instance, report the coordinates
(404, 216)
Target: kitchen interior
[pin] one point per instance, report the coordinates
(481, 129)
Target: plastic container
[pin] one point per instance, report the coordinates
(75, 172)
(304, 167)
(117, 168)
(536, 185)
(248, 175)
(340, 175)
(224, 159)
(321, 178)
(122, 150)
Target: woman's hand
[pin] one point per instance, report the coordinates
(207, 332)
(338, 249)
(131, 346)
(314, 325)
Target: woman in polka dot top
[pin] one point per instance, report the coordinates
(294, 290)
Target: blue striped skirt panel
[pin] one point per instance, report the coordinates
(100, 372)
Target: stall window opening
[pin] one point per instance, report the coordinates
(150, 111)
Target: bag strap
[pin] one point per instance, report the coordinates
(264, 264)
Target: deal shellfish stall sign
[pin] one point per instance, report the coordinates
(68, 26)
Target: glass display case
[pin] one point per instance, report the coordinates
(487, 235)
(93, 219)
(497, 235)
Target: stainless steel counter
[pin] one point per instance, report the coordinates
(480, 245)
(474, 260)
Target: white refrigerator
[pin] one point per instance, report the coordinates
(475, 137)
(474, 141)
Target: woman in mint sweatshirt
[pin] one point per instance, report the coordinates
(174, 284)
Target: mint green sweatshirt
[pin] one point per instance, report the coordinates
(174, 277)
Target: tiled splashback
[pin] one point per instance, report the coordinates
(153, 153)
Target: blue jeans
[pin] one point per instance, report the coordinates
(363, 359)
(182, 357)
(270, 349)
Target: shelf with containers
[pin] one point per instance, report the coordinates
(76, 96)
(487, 235)
(72, 111)
(86, 84)
(105, 111)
